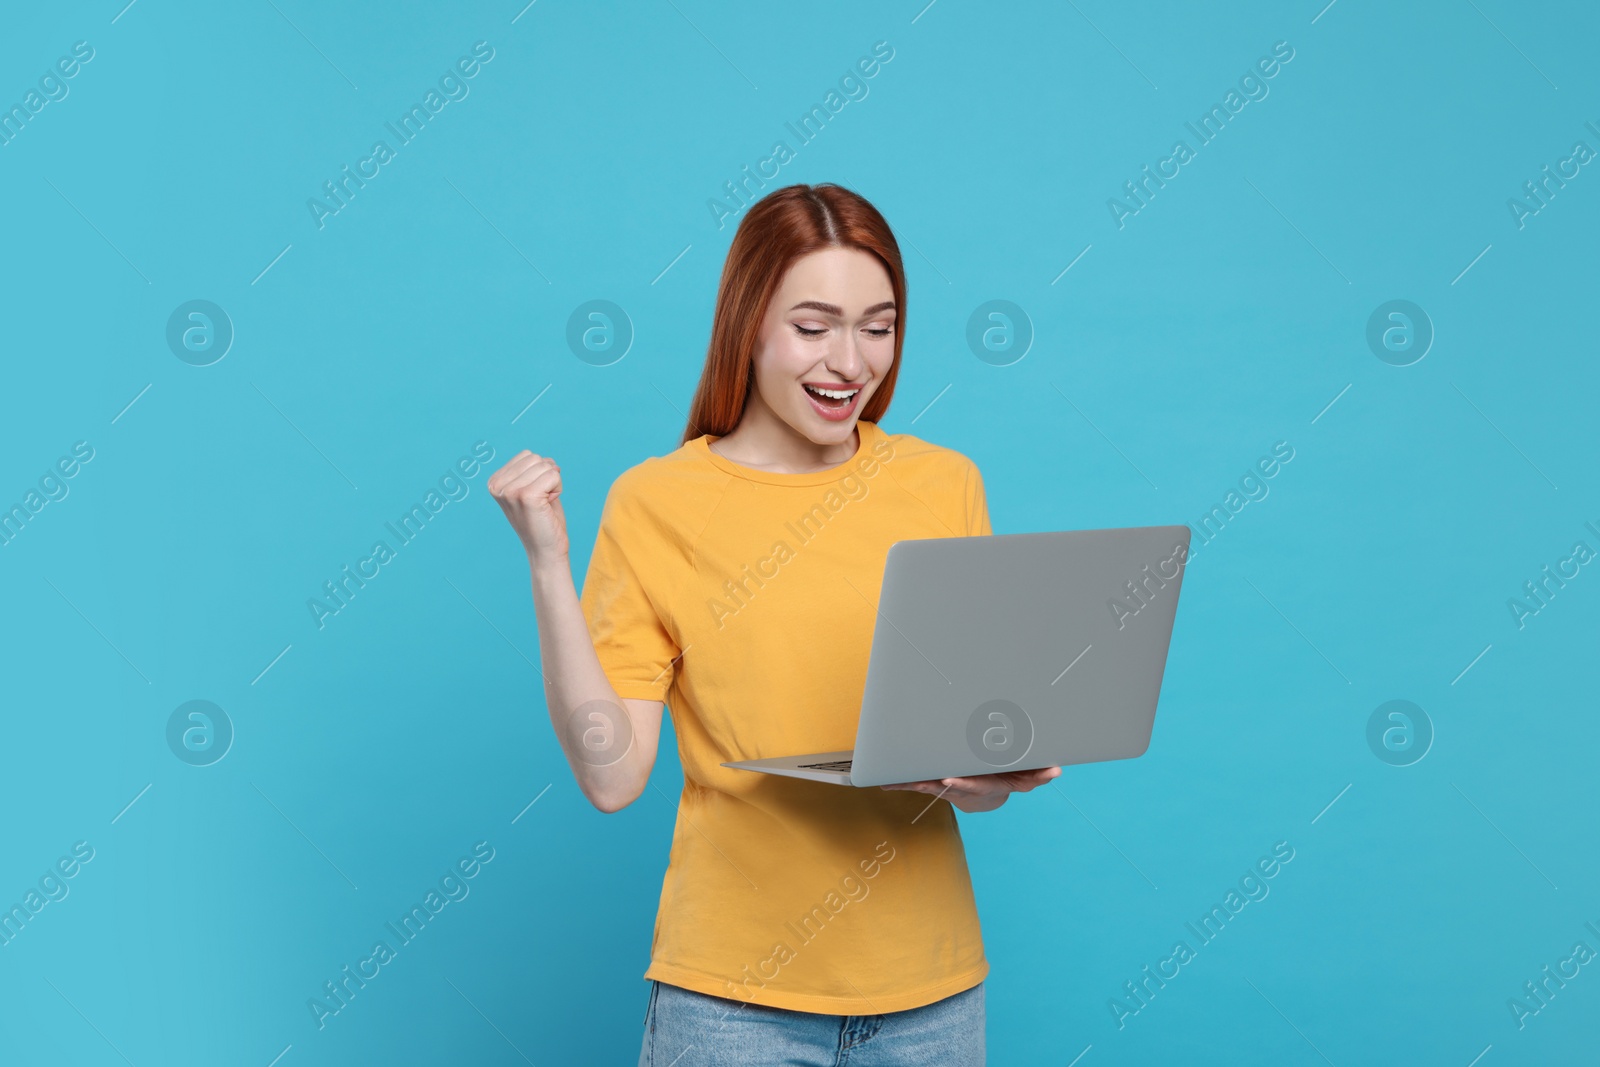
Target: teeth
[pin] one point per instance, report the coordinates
(834, 394)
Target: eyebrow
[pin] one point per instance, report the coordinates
(837, 312)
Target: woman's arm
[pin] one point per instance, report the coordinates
(610, 742)
(981, 792)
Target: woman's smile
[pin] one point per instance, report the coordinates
(835, 402)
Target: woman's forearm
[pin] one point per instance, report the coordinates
(610, 745)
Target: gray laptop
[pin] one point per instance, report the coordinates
(1010, 652)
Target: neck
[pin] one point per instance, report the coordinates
(766, 442)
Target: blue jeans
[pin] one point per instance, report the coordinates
(683, 1028)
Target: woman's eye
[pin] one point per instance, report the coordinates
(885, 332)
(809, 333)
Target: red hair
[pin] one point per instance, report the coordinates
(781, 227)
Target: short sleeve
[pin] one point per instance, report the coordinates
(977, 503)
(635, 650)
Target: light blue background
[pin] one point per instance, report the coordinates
(425, 316)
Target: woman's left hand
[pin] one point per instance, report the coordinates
(981, 792)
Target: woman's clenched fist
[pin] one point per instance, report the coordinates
(528, 489)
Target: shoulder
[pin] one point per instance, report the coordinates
(946, 481)
(685, 460)
(913, 458)
(676, 489)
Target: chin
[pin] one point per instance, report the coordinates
(821, 431)
(831, 433)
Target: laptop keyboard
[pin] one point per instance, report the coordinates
(836, 765)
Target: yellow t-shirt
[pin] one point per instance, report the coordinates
(746, 600)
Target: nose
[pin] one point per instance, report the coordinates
(845, 359)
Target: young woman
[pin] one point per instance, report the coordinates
(736, 579)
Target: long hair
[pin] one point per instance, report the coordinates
(777, 230)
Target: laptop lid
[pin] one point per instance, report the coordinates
(1016, 651)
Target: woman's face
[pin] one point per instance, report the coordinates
(826, 343)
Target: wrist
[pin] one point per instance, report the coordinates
(544, 567)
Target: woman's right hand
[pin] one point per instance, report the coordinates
(528, 489)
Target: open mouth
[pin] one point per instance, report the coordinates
(834, 404)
